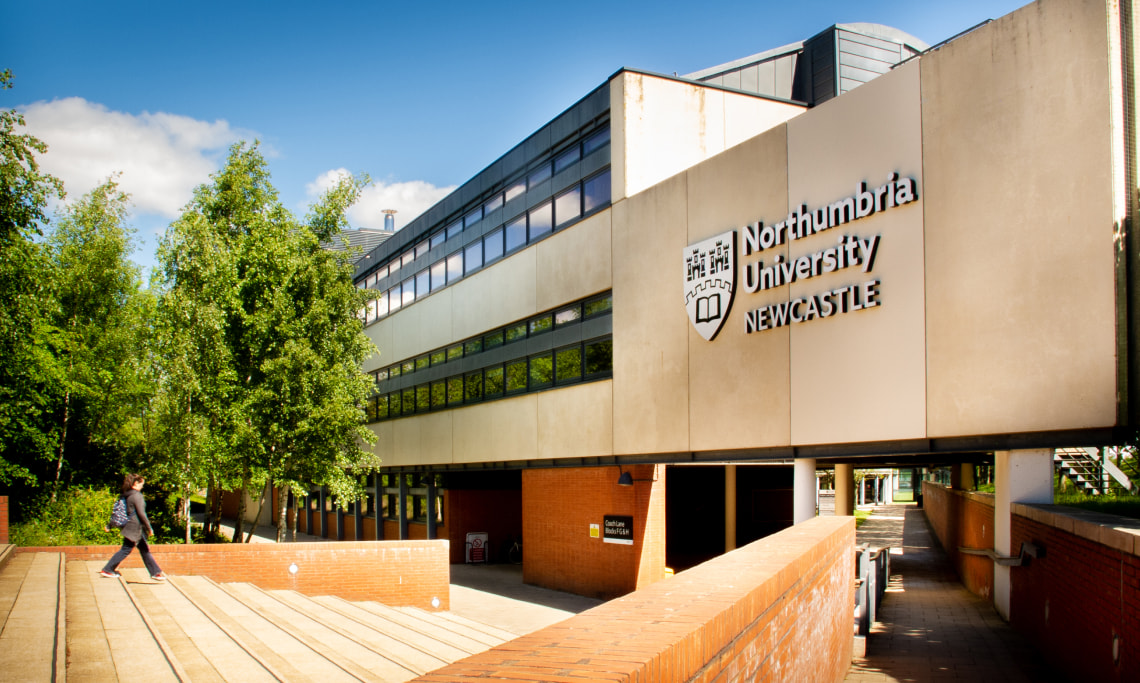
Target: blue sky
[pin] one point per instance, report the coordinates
(420, 96)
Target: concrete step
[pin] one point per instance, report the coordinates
(455, 625)
(414, 657)
(280, 652)
(434, 647)
(136, 652)
(501, 634)
(11, 578)
(351, 655)
(428, 627)
(32, 641)
(88, 653)
(205, 650)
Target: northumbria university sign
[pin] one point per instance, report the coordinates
(710, 265)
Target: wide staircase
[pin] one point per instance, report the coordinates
(62, 620)
(1090, 469)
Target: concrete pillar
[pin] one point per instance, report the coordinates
(878, 490)
(378, 505)
(889, 495)
(431, 505)
(845, 490)
(729, 508)
(803, 495)
(402, 506)
(862, 490)
(1024, 476)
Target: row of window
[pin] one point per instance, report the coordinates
(566, 207)
(417, 500)
(520, 185)
(539, 324)
(588, 361)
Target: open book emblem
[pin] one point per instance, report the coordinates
(710, 281)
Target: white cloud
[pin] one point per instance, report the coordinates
(409, 199)
(161, 157)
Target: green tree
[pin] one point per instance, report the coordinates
(28, 379)
(276, 377)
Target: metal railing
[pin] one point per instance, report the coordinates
(872, 572)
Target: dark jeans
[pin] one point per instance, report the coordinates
(128, 545)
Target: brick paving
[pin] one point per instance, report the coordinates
(930, 627)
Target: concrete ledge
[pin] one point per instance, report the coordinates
(398, 573)
(741, 616)
(1114, 531)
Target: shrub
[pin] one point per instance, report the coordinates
(76, 517)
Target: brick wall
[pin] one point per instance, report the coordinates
(495, 511)
(392, 572)
(3, 519)
(1083, 595)
(559, 505)
(777, 609)
(963, 519)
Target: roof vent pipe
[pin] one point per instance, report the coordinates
(390, 220)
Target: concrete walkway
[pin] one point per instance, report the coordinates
(930, 627)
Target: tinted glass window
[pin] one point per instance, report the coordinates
(421, 248)
(493, 204)
(540, 220)
(409, 401)
(394, 404)
(455, 266)
(516, 233)
(494, 383)
(423, 282)
(492, 340)
(596, 141)
(394, 371)
(568, 315)
(382, 305)
(473, 387)
(596, 191)
(493, 246)
(516, 332)
(409, 366)
(566, 159)
(438, 395)
(541, 371)
(473, 256)
(423, 398)
(568, 365)
(438, 358)
(598, 306)
(515, 189)
(454, 229)
(455, 352)
(438, 274)
(473, 217)
(409, 290)
(406, 258)
(516, 376)
(540, 325)
(381, 407)
(538, 175)
(454, 391)
(394, 298)
(438, 238)
(472, 347)
(599, 357)
(568, 205)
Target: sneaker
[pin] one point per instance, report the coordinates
(159, 577)
(109, 575)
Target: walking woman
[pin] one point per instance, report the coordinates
(133, 535)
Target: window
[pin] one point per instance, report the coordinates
(473, 256)
(394, 298)
(381, 407)
(409, 401)
(493, 340)
(516, 376)
(538, 175)
(423, 398)
(493, 204)
(494, 384)
(473, 217)
(438, 238)
(472, 346)
(455, 266)
(394, 404)
(455, 352)
(438, 395)
(409, 287)
(516, 233)
(568, 315)
(516, 332)
(394, 371)
(596, 141)
(439, 357)
(421, 248)
(541, 371)
(409, 366)
(540, 325)
(438, 274)
(454, 391)
(540, 220)
(515, 189)
(423, 284)
(599, 358)
(568, 206)
(422, 363)
(406, 258)
(596, 191)
(493, 246)
(473, 387)
(566, 159)
(454, 229)
(568, 365)
(603, 304)
(382, 305)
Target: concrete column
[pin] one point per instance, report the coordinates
(803, 495)
(889, 496)
(862, 490)
(402, 506)
(878, 490)
(378, 505)
(431, 504)
(1024, 476)
(729, 508)
(845, 490)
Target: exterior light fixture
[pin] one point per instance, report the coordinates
(435, 602)
(293, 569)
(626, 479)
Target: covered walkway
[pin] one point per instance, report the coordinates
(930, 627)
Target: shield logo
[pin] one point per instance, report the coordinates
(710, 282)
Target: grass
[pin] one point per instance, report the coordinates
(860, 517)
(1123, 505)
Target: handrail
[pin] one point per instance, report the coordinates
(1027, 551)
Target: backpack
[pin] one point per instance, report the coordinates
(118, 514)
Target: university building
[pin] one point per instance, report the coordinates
(631, 341)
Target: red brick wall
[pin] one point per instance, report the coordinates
(963, 519)
(3, 519)
(1084, 592)
(777, 609)
(559, 505)
(392, 572)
